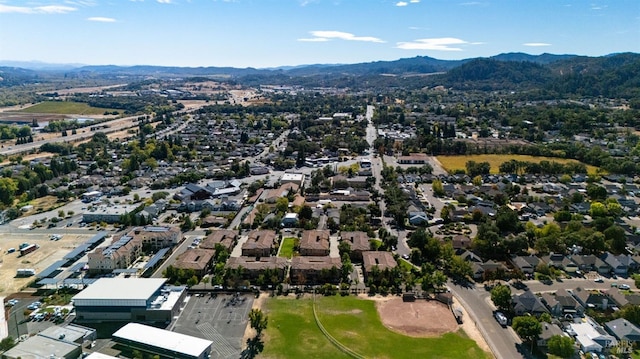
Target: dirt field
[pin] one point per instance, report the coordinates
(49, 252)
(418, 319)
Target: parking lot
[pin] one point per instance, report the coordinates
(220, 318)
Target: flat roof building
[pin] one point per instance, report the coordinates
(162, 342)
(54, 342)
(128, 299)
(297, 178)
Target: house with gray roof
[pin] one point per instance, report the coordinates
(528, 302)
(624, 330)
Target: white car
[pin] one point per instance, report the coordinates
(599, 280)
(624, 286)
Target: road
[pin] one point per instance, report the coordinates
(504, 342)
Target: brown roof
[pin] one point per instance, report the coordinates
(253, 263)
(225, 237)
(315, 262)
(260, 239)
(315, 239)
(358, 240)
(196, 259)
(282, 190)
(381, 259)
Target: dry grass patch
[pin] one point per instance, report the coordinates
(453, 163)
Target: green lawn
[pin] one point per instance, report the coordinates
(286, 247)
(66, 107)
(292, 332)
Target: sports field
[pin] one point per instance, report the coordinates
(66, 107)
(453, 163)
(355, 323)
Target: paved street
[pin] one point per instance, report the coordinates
(503, 341)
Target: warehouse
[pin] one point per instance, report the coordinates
(129, 299)
(162, 342)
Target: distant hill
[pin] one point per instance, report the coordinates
(11, 76)
(542, 59)
(615, 75)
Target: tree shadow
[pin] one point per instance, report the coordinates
(254, 347)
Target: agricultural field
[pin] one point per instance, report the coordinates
(66, 107)
(356, 324)
(286, 248)
(453, 163)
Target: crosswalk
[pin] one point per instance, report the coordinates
(220, 344)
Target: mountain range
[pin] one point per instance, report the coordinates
(611, 75)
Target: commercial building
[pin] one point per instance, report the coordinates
(54, 342)
(129, 299)
(165, 343)
(107, 214)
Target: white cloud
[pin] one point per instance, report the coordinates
(536, 44)
(101, 19)
(414, 1)
(49, 9)
(164, 1)
(435, 44)
(321, 36)
(314, 39)
(81, 2)
(402, 3)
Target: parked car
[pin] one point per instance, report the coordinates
(624, 286)
(599, 280)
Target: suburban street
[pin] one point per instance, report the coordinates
(504, 342)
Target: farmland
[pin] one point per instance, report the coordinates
(65, 107)
(453, 163)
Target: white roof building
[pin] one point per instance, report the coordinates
(297, 178)
(119, 292)
(180, 345)
(591, 336)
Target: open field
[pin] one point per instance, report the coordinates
(66, 107)
(453, 163)
(49, 252)
(286, 248)
(354, 322)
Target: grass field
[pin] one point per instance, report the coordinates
(354, 322)
(286, 247)
(66, 107)
(452, 163)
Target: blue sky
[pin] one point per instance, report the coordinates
(269, 33)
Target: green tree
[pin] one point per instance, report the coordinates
(8, 188)
(7, 343)
(438, 189)
(528, 328)
(561, 346)
(258, 320)
(501, 297)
